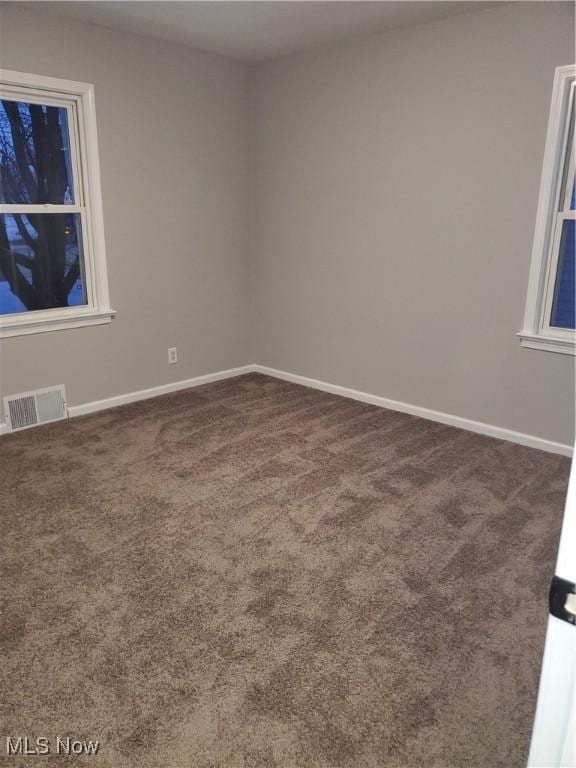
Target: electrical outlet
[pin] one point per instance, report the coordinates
(172, 355)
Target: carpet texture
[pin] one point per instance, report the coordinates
(253, 573)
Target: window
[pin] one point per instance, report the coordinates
(52, 259)
(549, 321)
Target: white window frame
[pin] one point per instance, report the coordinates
(556, 181)
(78, 99)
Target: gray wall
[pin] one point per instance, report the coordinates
(172, 128)
(396, 190)
(378, 225)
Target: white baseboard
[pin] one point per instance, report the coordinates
(383, 402)
(144, 394)
(163, 389)
(426, 413)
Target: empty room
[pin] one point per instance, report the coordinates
(287, 337)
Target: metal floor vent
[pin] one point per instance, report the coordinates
(31, 408)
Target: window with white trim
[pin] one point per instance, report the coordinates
(549, 321)
(52, 254)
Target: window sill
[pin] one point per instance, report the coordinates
(22, 325)
(562, 345)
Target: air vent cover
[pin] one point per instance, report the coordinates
(31, 408)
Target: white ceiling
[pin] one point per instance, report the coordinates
(258, 30)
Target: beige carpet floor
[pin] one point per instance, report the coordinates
(253, 573)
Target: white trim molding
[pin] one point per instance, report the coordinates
(58, 321)
(145, 394)
(364, 397)
(163, 389)
(556, 185)
(78, 99)
(547, 343)
(425, 413)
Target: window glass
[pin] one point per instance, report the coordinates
(41, 262)
(35, 163)
(565, 288)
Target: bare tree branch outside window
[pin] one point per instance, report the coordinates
(40, 253)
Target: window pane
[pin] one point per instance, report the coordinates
(41, 262)
(573, 200)
(563, 305)
(35, 165)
